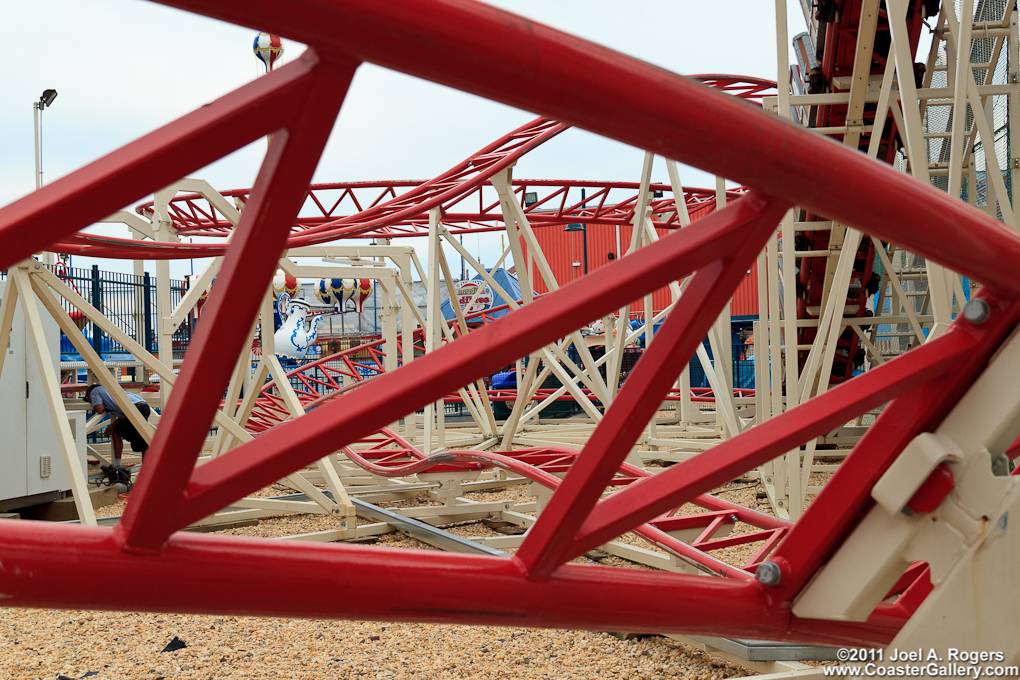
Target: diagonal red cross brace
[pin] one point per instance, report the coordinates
(929, 379)
(247, 270)
(646, 387)
(651, 497)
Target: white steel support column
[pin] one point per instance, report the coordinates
(476, 397)
(1013, 70)
(164, 303)
(685, 409)
(51, 385)
(722, 347)
(138, 268)
(774, 342)
(432, 314)
(789, 359)
(407, 321)
(388, 286)
(913, 134)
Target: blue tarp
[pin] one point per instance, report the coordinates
(505, 279)
(504, 381)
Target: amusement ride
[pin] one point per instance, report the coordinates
(876, 217)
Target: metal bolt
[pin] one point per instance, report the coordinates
(768, 479)
(779, 503)
(976, 311)
(768, 574)
(343, 524)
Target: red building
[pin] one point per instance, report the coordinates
(606, 242)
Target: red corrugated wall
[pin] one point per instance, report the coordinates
(562, 248)
(745, 297)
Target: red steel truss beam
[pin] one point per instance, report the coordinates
(402, 214)
(642, 395)
(193, 215)
(249, 265)
(677, 485)
(488, 52)
(241, 576)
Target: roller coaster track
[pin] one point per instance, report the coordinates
(491, 53)
(837, 54)
(386, 454)
(468, 213)
(402, 214)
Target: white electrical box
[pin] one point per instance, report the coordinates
(31, 463)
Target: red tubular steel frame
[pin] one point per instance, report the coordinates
(494, 54)
(468, 213)
(454, 192)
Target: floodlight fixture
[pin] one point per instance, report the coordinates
(530, 198)
(47, 98)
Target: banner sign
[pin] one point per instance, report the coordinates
(467, 289)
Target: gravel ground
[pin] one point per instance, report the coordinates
(122, 645)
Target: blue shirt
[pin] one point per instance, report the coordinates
(101, 396)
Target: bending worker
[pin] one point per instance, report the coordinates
(120, 428)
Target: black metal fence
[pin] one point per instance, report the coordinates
(743, 369)
(129, 301)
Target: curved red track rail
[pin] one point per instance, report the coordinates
(402, 214)
(558, 202)
(389, 455)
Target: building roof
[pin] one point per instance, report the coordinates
(506, 280)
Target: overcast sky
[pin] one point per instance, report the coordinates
(123, 68)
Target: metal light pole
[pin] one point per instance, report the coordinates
(584, 240)
(46, 99)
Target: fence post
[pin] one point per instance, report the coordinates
(147, 312)
(97, 302)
